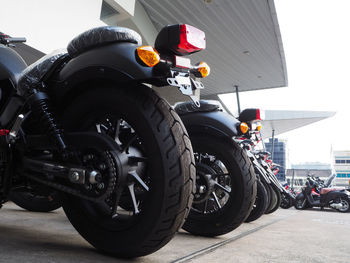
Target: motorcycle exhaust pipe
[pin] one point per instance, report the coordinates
(336, 206)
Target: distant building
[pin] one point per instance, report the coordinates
(312, 166)
(297, 177)
(341, 162)
(279, 155)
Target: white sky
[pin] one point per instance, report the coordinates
(316, 42)
(48, 24)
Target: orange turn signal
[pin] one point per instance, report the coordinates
(258, 126)
(244, 127)
(203, 69)
(148, 55)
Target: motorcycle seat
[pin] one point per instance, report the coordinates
(205, 106)
(31, 76)
(327, 190)
(101, 36)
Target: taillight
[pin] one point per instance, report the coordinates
(258, 114)
(180, 39)
(191, 39)
(148, 55)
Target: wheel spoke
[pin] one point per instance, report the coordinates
(134, 175)
(216, 200)
(127, 145)
(117, 131)
(98, 128)
(138, 159)
(227, 190)
(133, 197)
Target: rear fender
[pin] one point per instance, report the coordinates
(115, 62)
(216, 123)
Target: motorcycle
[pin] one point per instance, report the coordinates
(288, 197)
(263, 167)
(250, 127)
(338, 199)
(80, 126)
(225, 179)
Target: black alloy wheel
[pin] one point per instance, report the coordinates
(225, 187)
(150, 175)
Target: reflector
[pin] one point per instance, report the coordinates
(182, 62)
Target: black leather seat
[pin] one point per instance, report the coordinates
(100, 36)
(33, 74)
(205, 106)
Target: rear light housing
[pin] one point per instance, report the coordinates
(180, 39)
(249, 115)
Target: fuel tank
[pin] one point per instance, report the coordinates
(11, 64)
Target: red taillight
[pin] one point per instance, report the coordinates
(4, 132)
(191, 39)
(258, 117)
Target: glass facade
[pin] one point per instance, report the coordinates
(279, 156)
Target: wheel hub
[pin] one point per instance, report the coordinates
(204, 183)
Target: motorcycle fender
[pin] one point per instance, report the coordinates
(260, 171)
(115, 62)
(215, 123)
(11, 64)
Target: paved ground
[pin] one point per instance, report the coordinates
(285, 236)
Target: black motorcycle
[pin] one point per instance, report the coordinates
(338, 199)
(79, 126)
(225, 182)
(287, 197)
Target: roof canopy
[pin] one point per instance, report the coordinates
(244, 45)
(282, 121)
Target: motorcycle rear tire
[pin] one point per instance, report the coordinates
(260, 204)
(241, 197)
(345, 201)
(276, 199)
(170, 167)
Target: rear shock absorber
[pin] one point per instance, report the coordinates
(39, 103)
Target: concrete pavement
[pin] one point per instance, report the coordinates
(284, 236)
